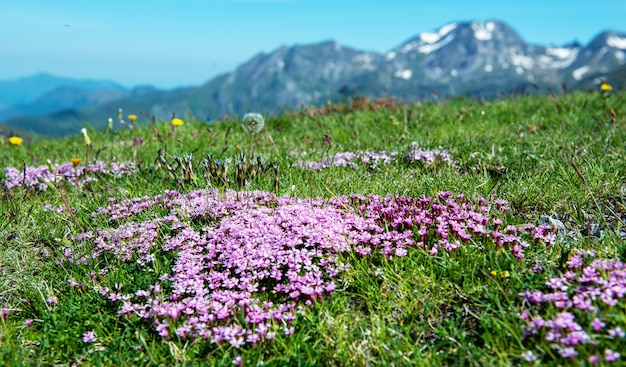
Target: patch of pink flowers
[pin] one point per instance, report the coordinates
(416, 154)
(373, 159)
(89, 337)
(581, 313)
(243, 262)
(38, 178)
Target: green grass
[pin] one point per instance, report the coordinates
(558, 156)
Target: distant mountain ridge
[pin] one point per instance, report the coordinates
(460, 58)
(27, 89)
(69, 97)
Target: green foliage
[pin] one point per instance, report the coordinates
(557, 156)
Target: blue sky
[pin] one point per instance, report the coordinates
(170, 43)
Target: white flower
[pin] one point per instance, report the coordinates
(253, 122)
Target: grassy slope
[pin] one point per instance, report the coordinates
(425, 310)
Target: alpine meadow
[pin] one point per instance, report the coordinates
(363, 233)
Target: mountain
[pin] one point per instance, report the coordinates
(70, 121)
(292, 76)
(463, 58)
(62, 97)
(27, 89)
(457, 59)
(604, 54)
(42, 94)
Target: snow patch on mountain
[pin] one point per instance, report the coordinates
(429, 42)
(483, 31)
(580, 72)
(403, 74)
(365, 60)
(426, 49)
(557, 58)
(362, 59)
(447, 28)
(523, 61)
(562, 52)
(562, 57)
(617, 42)
(430, 37)
(433, 37)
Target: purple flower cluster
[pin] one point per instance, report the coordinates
(38, 178)
(581, 312)
(446, 222)
(371, 159)
(416, 154)
(244, 261)
(90, 337)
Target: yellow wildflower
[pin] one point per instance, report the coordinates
(132, 118)
(504, 274)
(87, 140)
(605, 87)
(15, 140)
(177, 122)
(493, 273)
(76, 161)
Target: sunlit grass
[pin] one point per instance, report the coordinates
(561, 157)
